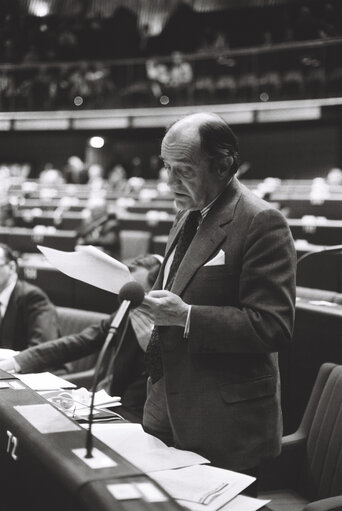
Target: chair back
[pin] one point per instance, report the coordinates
(321, 476)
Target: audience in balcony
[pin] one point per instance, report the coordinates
(54, 75)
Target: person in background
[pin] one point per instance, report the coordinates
(128, 378)
(50, 176)
(27, 316)
(117, 179)
(100, 228)
(96, 179)
(223, 306)
(75, 171)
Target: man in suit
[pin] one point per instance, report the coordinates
(128, 378)
(27, 317)
(223, 310)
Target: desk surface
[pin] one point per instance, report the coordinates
(46, 471)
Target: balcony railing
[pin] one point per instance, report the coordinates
(309, 70)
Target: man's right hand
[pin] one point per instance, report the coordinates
(9, 365)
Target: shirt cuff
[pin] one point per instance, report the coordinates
(187, 324)
(16, 366)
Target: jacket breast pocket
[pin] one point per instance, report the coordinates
(217, 271)
(215, 285)
(252, 389)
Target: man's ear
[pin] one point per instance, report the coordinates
(13, 266)
(224, 166)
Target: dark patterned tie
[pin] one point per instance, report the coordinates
(153, 354)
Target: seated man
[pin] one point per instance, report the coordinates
(129, 375)
(27, 316)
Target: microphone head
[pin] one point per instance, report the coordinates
(133, 292)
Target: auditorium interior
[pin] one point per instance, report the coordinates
(87, 90)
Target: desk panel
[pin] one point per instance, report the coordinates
(26, 240)
(316, 339)
(321, 271)
(39, 471)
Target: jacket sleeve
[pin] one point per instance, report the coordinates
(262, 319)
(65, 349)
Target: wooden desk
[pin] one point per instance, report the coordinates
(327, 233)
(39, 470)
(26, 240)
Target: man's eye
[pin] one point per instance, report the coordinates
(186, 173)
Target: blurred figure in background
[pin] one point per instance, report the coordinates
(100, 228)
(75, 171)
(117, 179)
(334, 176)
(96, 176)
(51, 176)
(27, 317)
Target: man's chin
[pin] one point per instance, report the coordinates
(182, 202)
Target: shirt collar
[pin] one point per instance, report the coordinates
(5, 295)
(205, 210)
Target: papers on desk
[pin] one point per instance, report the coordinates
(44, 381)
(181, 473)
(143, 450)
(90, 265)
(202, 484)
(239, 503)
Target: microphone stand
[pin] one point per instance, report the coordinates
(112, 332)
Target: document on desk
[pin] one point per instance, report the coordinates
(239, 503)
(202, 484)
(90, 265)
(44, 381)
(143, 450)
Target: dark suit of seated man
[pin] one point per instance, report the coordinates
(27, 316)
(129, 374)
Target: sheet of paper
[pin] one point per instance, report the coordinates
(143, 450)
(203, 484)
(6, 353)
(102, 398)
(239, 503)
(90, 265)
(46, 419)
(44, 381)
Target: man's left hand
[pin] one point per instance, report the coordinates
(165, 308)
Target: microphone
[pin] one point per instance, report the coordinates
(131, 295)
(323, 250)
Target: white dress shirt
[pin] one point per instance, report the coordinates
(5, 296)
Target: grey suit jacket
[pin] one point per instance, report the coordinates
(222, 383)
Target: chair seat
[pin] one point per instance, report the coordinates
(284, 500)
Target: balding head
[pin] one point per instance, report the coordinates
(216, 139)
(200, 153)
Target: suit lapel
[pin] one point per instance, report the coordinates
(209, 236)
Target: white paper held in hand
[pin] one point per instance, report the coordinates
(90, 265)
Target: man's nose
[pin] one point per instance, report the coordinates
(171, 177)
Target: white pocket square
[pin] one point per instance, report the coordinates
(219, 259)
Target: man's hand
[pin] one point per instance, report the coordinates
(165, 308)
(142, 326)
(7, 353)
(9, 365)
